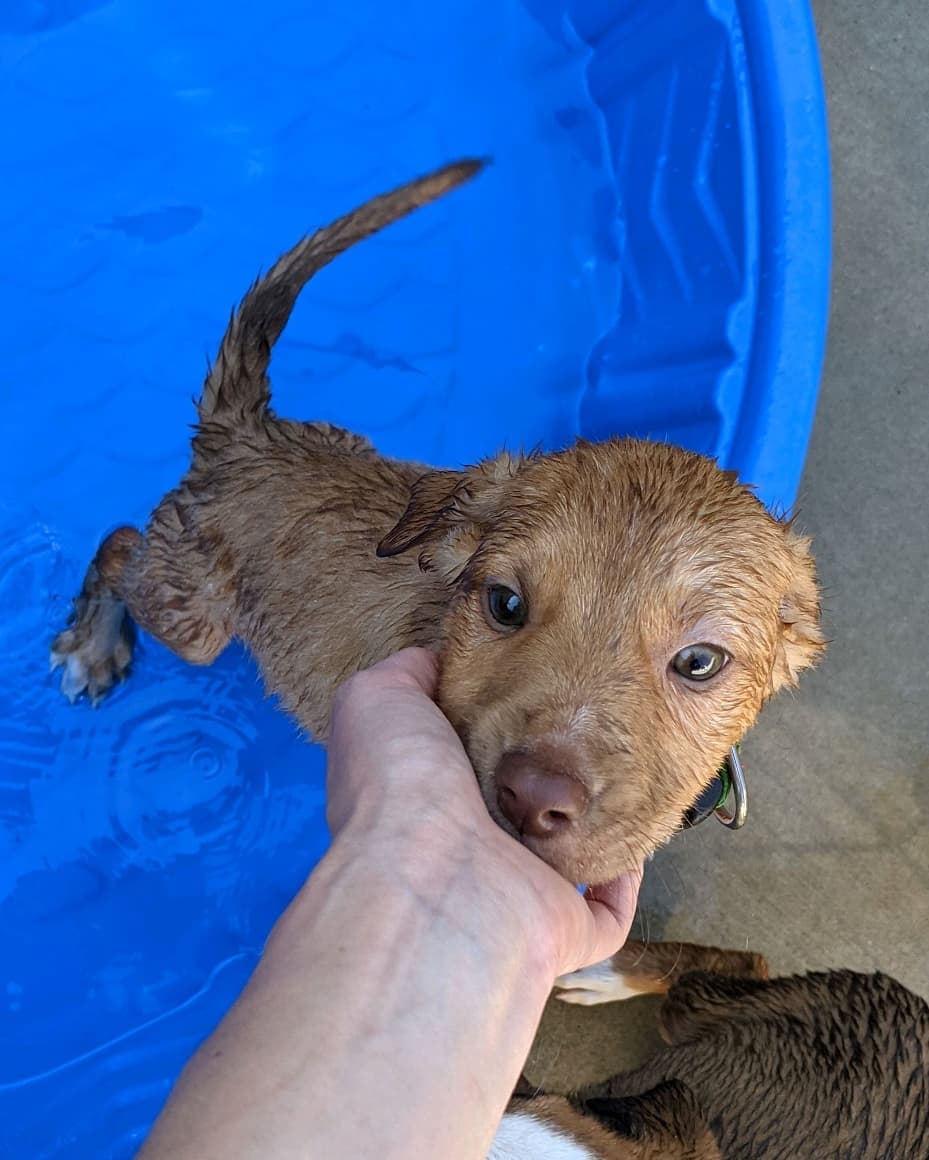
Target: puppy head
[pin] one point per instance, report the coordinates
(618, 614)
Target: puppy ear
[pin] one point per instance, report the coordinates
(666, 1114)
(801, 640)
(431, 506)
(452, 506)
(621, 1115)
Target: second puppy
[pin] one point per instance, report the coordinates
(826, 1066)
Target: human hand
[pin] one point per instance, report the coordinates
(402, 793)
(409, 972)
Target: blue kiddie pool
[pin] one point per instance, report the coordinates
(648, 254)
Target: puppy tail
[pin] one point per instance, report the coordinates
(237, 387)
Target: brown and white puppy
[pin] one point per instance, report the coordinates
(610, 618)
(826, 1066)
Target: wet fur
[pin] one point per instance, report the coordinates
(825, 1066)
(323, 557)
(666, 1123)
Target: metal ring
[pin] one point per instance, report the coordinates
(734, 818)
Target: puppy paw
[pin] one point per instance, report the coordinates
(601, 983)
(96, 651)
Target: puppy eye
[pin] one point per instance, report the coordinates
(505, 606)
(699, 662)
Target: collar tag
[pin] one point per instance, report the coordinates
(732, 807)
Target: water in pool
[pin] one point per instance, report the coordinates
(602, 276)
(165, 152)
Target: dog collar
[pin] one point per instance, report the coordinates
(725, 797)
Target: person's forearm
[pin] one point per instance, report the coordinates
(381, 1011)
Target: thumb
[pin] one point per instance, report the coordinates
(611, 909)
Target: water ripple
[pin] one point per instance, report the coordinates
(33, 578)
(121, 1083)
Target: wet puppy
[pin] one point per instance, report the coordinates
(610, 618)
(825, 1066)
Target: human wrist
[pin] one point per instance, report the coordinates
(379, 962)
(467, 878)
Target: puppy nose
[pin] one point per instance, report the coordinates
(538, 801)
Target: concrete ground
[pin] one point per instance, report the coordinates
(833, 868)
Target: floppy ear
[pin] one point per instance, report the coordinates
(430, 510)
(801, 640)
(668, 1114)
(447, 511)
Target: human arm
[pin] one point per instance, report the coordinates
(398, 995)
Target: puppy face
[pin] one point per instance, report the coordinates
(618, 614)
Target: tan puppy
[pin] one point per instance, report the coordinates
(610, 618)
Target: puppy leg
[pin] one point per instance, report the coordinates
(651, 969)
(95, 650)
(151, 582)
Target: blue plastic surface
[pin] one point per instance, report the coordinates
(648, 254)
